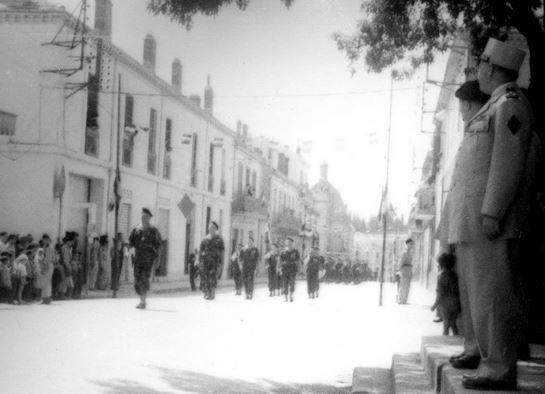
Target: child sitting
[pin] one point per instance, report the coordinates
(447, 302)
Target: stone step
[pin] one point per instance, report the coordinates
(409, 376)
(446, 380)
(372, 381)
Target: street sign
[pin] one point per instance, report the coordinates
(186, 206)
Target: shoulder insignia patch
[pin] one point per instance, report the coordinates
(514, 124)
(511, 93)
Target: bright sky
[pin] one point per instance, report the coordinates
(280, 72)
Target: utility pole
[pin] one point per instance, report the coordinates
(385, 197)
(117, 180)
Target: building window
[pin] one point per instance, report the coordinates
(223, 185)
(168, 149)
(7, 123)
(211, 169)
(152, 133)
(194, 161)
(208, 218)
(91, 141)
(254, 182)
(220, 224)
(129, 131)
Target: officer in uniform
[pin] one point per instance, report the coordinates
(210, 258)
(236, 269)
(405, 273)
(485, 216)
(146, 241)
(271, 265)
(314, 264)
(250, 256)
(289, 260)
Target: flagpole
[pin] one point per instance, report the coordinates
(385, 216)
(117, 180)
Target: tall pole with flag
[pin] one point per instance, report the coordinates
(385, 204)
(117, 181)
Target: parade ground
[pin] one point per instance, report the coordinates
(185, 344)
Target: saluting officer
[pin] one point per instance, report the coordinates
(146, 240)
(289, 260)
(210, 258)
(271, 265)
(250, 256)
(486, 214)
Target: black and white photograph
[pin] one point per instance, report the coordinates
(272, 196)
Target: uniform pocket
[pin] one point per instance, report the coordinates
(475, 187)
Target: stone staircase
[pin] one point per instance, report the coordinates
(430, 372)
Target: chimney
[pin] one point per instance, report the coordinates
(245, 131)
(103, 18)
(177, 75)
(323, 171)
(208, 96)
(150, 49)
(195, 99)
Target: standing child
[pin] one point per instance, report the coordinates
(447, 302)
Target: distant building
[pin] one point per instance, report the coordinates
(368, 249)
(335, 231)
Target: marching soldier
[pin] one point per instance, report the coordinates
(146, 241)
(210, 257)
(289, 260)
(236, 269)
(250, 256)
(486, 214)
(271, 265)
(314, 264)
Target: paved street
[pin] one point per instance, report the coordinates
(184, 344)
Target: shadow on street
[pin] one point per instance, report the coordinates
(194, 382)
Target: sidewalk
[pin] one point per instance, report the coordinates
(162, 286)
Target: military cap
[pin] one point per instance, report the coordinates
(215, 225)
(146, 211)
(409, 241)
(31, 247)
(3, 233)
(290, 239)
(503, 55)
(45, 236)
(470, 91)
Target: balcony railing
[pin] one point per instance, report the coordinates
(249, 204)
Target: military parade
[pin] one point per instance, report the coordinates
(290, 196)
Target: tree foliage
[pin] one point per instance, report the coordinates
(183, 11)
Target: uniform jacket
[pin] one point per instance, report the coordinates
(146, 243)
(211, 251)
(289, 260)
(494, 171)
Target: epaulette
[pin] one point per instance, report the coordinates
(511, 93)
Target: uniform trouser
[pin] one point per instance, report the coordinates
(237, 277)
(92, 273)
(209, 278)
(272, 276)
(313, 283)
(192, 272)
(116, 274)
(142, 273)
(248, 276)
(404, 288)
(279, 281)
(288, 281)
(491, 310)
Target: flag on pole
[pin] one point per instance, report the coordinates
(116, 198)
(384, 205)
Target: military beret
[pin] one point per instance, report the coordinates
(409, 241)
(3, 233)
(46, 236)
(215, 225)
(146, 211)
(470, 91)
(290, 239)
(503, 55)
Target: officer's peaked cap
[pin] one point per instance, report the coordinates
(504, 55)
(215, 225)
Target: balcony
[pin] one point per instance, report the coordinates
(250, 205)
